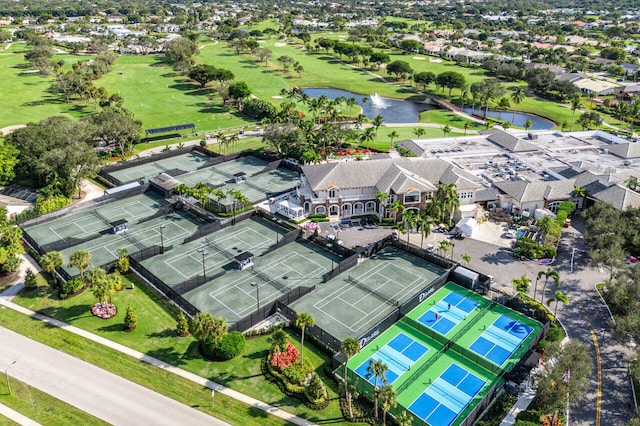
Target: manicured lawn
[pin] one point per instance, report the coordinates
(155, 336)
(26, 97)
(444, 117)
(181, 390)
(159, 96)
(42, 407)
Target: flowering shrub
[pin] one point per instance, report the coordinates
(281, 360)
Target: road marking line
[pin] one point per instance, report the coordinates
(599, 391)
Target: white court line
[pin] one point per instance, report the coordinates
(58, 235)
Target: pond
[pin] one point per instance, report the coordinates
(539, 123)
(391, 110)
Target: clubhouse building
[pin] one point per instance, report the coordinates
(516, 171)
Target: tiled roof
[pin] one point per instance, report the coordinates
(389, 174)
(510, 142)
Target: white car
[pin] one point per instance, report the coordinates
(511, 233)
(431, 248)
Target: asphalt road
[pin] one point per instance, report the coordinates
(91, 389)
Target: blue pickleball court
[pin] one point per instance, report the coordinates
(399, 355)
(501, 339)
(447, 396)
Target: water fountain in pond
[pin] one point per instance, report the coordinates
(377, 101)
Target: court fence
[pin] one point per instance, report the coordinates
(317, 333)
(270, 308)
(83, 207)
(162, 288)
(195, 282)
(66, 242)
(162, 212)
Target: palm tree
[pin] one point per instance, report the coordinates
(419, 132)
(521, 284)
(382, 198)
(575, 104)
(367, 136)
(446, 129)
(303, 320)
(349, 348)
(404, 419)
(548, 274)
(467, 125)
(395, 208)
(389, 400)
(517, 97)
(444, 247)
(632, 183)
(278, 340)
(558, 296)
(377, 122)
(377, 369)
(393, 135)
(466, 258)
(402, 227)
(503, 105)
(411, 218)
(424, 227)
(528, 124)
(50, 261)
(80, 259)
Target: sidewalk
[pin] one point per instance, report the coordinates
(5, 300)
(16, 417)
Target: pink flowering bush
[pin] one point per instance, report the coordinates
(282, 360)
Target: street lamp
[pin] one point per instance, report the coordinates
(204, 253)
(329, 247)
(6, 373)
(162, 239)
(255, 284)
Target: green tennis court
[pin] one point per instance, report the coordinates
(184, 261)
(356, 300)
(254, 188)
(188, 162)
(298, 264)
(443, 365)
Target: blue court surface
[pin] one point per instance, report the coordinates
(448, 312)
(501, 339)
(447, 396)
(399, 355)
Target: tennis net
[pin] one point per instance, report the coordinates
(377, 294)
(101, 217)
(446, 395)
(274, 281)
(391, 360)
(133, 241)
(219, 249)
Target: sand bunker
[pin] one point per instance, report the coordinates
(419, 58)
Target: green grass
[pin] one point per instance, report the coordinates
(42, 407)
(156, 379)
(26, 97)
(155, 336)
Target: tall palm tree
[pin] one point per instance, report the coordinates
(393, 135)
(548, 274)
(410, 217)
(444, 247)
(382, 198)
(389, 400)
(503, 105)
(377, 369)
(349, 348)
(424, 227)
(466, 258)
(517, 97)
(81, 260)
(377, 122)
(367, 136)
(404, 419)
(395, 208)
(303, 320)
(50, 261)
(558, 296)
(467, 125)
(575, 104)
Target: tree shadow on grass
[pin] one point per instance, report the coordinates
(168, 355)
(163, 334)
(112, 327)
(257, 413)
(184, 87)
(68, 314)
